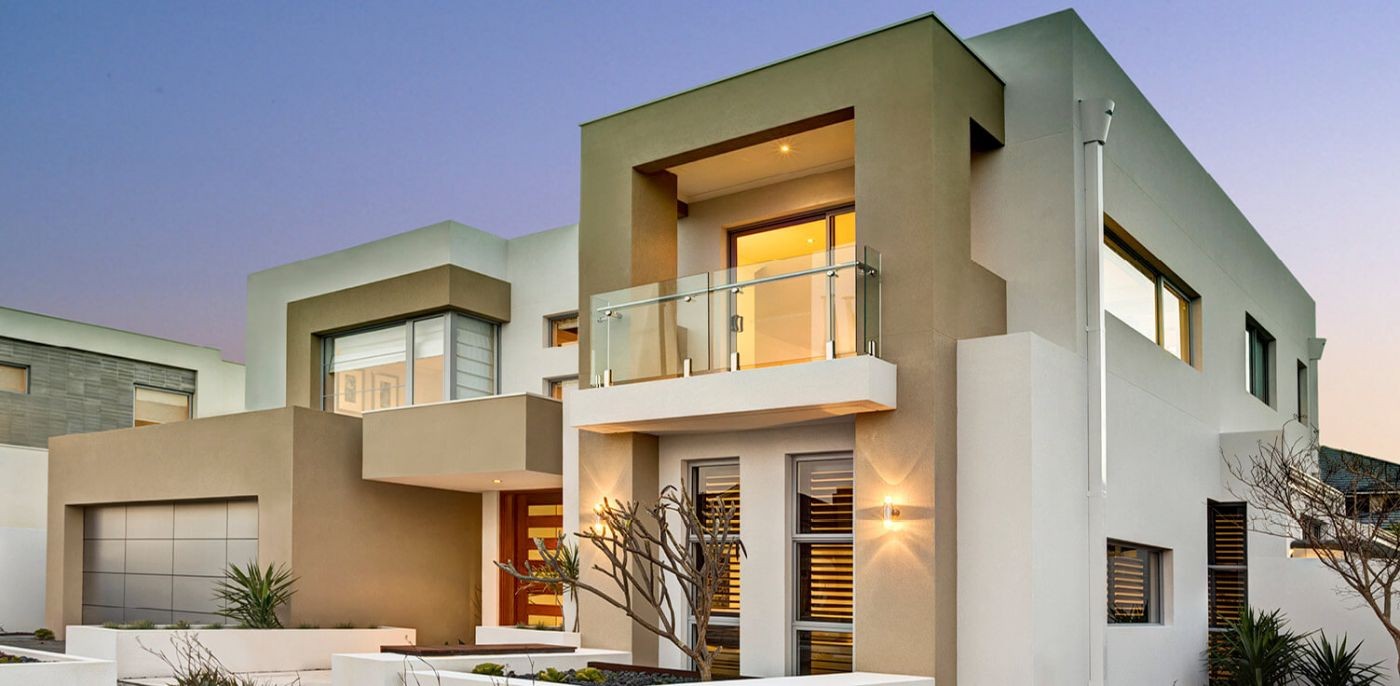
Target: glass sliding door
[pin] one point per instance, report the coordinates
(792, 320)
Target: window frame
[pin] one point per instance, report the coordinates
(550, 383)
(25, 370)
(1163, 279)
(1254, 330)
(1154, 587)
(1304, 393)
(551, 329)
(692, 469)
(1213, 568)
(327, 344)
(827, 214)
(189, 402)
(795, 542)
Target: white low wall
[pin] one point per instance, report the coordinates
(849, 679)
(387, 669)
(240, 650)
(511, 634)
(56, 669)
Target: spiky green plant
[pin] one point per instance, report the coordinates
(1257, 650)
(43, 634)
(489, 669)
(1324, 663)
(252, 595)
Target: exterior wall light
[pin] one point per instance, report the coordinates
(598, 527)
(890, 513)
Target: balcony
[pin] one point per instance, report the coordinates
(759, 345)
(502, 442)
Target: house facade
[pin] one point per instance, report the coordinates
(62, 377)
(961, 325)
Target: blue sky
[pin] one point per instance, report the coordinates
(153, 153)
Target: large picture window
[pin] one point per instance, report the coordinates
(823, 537)
(1138, 291)
(407, 363)
(715, 484)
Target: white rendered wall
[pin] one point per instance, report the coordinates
(1165, 417)
(23, 511)
(1021, 508)
(766, 573)
(490, 551)
(218, 383)
(543, 275)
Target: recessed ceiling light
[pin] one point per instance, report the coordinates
(495, 481)
(785, 148)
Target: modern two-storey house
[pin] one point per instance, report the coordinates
(960, 324)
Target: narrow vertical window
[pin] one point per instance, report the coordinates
(1142, 293)
(157, 406)
(563, 330)
(715, 485)
(823, 539)
(556, 387)
(475, 342)
(1227, 563)
(1304, 388)
(1258, 360)
(1134, 584)
(14, 378)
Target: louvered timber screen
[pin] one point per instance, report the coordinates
(1228, 571)
(715, 485)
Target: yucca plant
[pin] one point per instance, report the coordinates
(1324, 663)
(252, 596)
(1256, 650)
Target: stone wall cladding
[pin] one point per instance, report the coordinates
(75, 391)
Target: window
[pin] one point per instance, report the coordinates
(822, 538)
(563, 330)
(715, 484)
(1303, 388)
(1227, 563)
(1134, 584)
(157, 406)
(373, 369)
(556, 387)
(14, 378)
(1258, 360)
(1138, 291)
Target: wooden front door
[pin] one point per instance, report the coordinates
(525, 516)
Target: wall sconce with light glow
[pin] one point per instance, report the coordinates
(890, 513)
(598, 527)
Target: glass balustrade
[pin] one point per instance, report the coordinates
(814, 307)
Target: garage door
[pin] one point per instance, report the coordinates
(160, 561)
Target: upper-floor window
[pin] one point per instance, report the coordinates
(1258, 360)
(556, 387)
(14, 378)
(1303, 392)
(563, 330)
(426, 360)
(159, 406)
(1138, 290)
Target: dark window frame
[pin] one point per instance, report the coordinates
(797, 540)
(692, 470)
(1121, 243)
(1258, 340)
(1153, 560)
(827, 213)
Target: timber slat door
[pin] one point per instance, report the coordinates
(526, 515)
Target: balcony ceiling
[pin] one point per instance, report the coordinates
(810, 152)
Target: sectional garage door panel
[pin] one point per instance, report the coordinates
(160, 562)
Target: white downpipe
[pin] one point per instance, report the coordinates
(1094, 118)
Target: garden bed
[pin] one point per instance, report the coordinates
(24, 667)
(240, 650)
(388, 669)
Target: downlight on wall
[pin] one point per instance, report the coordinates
(890, 513)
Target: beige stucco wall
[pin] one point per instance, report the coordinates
(365, 552)
(914, 89)
(422, 292)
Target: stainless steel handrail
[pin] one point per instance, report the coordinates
(830, 268)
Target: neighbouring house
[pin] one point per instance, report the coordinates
(1367, 483)
(966, 355)
(62, 377)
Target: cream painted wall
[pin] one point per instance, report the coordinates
(23, 518)
(543, 275)
(766, 585)
(490, 552)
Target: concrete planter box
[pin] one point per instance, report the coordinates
(385, 669)
(56, 669)
(512, 634)
(851, 679)
(240, 650)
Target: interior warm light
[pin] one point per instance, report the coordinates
(890, 513)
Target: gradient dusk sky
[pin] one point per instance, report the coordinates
(155, 153)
